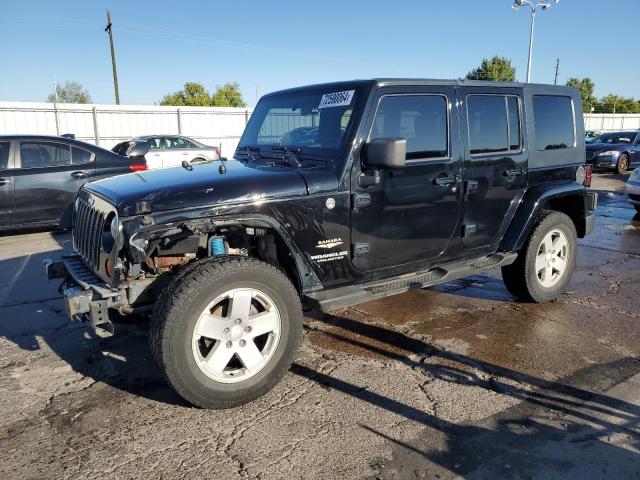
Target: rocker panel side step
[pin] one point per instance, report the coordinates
(327, 300)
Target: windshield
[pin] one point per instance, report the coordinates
(624, 137)
(314, 121)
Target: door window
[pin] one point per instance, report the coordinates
(494, 124)
(79, 156)
(420, 119)
(4, 154)
(154, 143)
(173, 143)
(554, 122)
(44, 154)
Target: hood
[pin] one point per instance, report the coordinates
(178, 187)
(596, 147)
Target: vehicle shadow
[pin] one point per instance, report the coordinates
(525, 437)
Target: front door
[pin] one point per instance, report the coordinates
(495, 164)
(408, 218)
(6, 185)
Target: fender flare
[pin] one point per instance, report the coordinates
(533, 203)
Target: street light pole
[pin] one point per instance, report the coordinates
(534, 7)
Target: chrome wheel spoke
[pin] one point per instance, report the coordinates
(239, 305)
(250, 356)
(541, 262)
(551, 260)
(262, 323)
(219, 357)
(211, 326)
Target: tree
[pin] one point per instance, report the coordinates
(618, 104)
(70, 92)
(228, 95)
(496, 68)
(585, 86)
(195, 95)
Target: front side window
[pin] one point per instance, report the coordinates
(420, 119)
(554, 122)
(175, 143)
(44, 154)
(316, 121)
(154, 143)
(4, 154)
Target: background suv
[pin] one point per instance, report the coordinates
(616, 151)
(170, 150)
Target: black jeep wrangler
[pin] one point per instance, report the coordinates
(337, 194)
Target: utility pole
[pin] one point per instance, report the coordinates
(555, 80)
(109, 30)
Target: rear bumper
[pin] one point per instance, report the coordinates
(633, 192)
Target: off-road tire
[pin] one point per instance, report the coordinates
(178, 308)
(623, 164)
(520, 278)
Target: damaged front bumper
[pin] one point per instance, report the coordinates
(89, 299)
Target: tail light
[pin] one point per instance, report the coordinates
(218, 150)
(587, 177)
(138, 166)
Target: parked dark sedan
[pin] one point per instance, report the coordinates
(40, 176)
(618, 151)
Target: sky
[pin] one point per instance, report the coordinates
(270, 45)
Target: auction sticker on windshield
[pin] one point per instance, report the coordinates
(336, 99)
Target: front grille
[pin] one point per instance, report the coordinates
(87, 232)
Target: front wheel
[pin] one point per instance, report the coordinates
(546, 263)
(623, 164)
(227, 331)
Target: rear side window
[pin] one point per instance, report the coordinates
(494, 124)
(4, 154)
(80, 156)
(44, 154)
(554, 122)
(420, 119)
(154, 143)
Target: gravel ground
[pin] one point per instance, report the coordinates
(455, 381)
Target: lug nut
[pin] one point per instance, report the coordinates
(238, 321)
(229, 343)
(226, 330)
(247, 329)
(242, 343)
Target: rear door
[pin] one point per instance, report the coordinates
(155, 157)
(176, 150)
(47, 179)
(6, 184)
(409, 218)
(495, 163)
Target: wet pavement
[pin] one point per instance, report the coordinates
(455, 381)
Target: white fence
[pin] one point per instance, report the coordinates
(106, 125)
(611, 122)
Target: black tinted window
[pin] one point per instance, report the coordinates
(420, 119)
(44, 154)
(554, 124)
(513, 109)
(488, 131)
(4, 154)
(80, 156)
(154, 143)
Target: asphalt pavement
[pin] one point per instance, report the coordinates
(456, 381)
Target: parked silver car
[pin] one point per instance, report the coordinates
(633, 189)
(170, 150)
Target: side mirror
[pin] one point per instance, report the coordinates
(139, 149)
(386, 153)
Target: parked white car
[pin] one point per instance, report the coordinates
(170, 150)
(633, 189)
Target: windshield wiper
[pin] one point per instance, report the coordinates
(289, 155)
(250, 152)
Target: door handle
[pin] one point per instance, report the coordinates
(4, 181)
(446, 181)
(513, 172)
(185, 153)
(79, 174)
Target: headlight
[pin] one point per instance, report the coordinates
(115, 227)
(111, 233)
(608, 153)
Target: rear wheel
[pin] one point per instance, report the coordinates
(546, 263)
(623, 164)
(228, 332)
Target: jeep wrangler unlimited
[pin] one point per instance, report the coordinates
(337, 194)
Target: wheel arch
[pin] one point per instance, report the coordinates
(569, 199)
